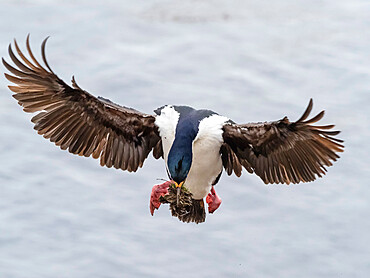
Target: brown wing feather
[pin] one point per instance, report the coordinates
(284, 151)
(76, 120)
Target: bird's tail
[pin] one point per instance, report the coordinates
(194, 213)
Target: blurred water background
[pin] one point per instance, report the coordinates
(65, 216)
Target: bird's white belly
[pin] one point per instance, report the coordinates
(205, 168)
(207, 163)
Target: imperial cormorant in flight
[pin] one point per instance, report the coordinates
(196, 145)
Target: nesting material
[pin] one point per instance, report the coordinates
(180, 204)
(183, 206)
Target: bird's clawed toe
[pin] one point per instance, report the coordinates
(158, 191)
(213, 201)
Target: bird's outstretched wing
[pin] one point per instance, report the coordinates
(281, 151)
(76, 120)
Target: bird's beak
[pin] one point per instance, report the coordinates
(178, 185)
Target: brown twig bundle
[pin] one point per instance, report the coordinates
(180, 204)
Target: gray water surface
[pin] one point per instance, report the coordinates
(65, 216)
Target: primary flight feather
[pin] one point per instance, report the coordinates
(195, 144)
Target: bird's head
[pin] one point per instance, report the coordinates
(179, 160)
(179, 163)
(180, 156)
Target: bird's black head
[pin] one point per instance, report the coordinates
(180, 156)
(179, 163)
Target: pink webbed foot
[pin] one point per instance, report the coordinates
(213, 201)
(158, 191)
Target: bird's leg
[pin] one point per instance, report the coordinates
(158, 191)
(213, 201)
